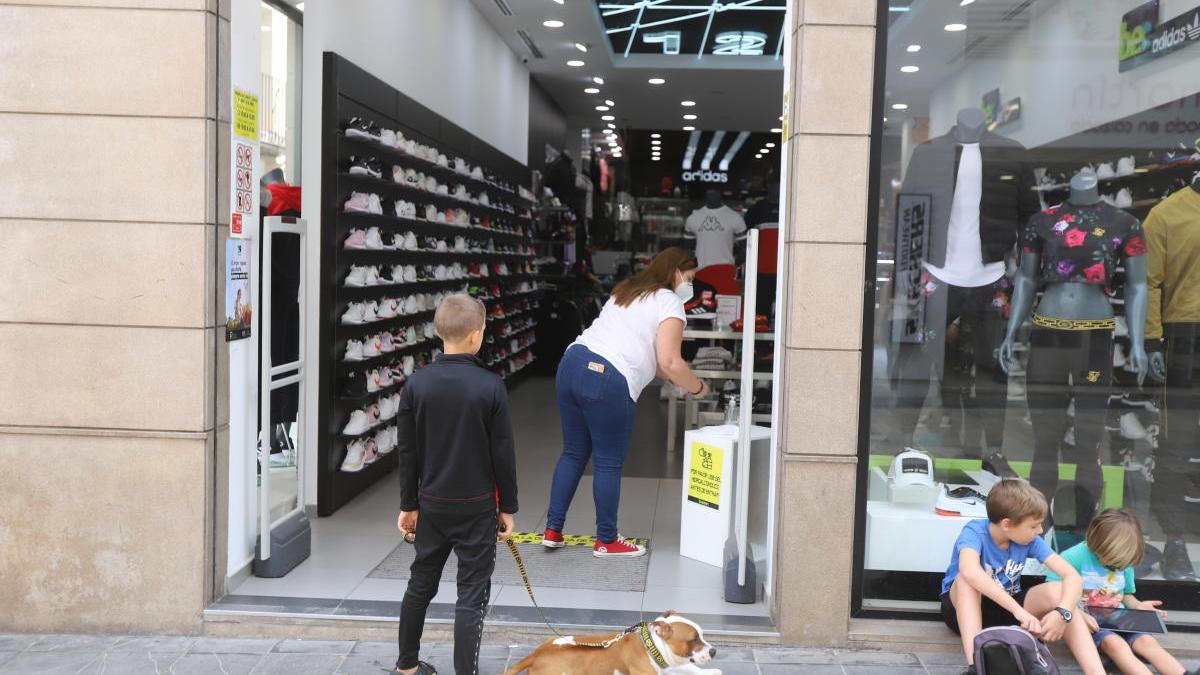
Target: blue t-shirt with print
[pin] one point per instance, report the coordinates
(1003, 566)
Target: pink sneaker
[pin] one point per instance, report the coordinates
(357, 241)
(359, 202)
(618, 548)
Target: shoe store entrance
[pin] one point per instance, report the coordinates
(537, 180)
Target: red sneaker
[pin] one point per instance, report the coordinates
(618, 548)
(553, 539)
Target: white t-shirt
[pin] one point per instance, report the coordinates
(715, 230)
(626, 336)
(964, 256)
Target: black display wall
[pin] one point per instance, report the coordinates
(547, 126)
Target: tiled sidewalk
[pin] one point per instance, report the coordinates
(92, 655)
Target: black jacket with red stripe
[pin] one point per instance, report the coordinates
(455, 438)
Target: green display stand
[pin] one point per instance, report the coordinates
(1114, 476)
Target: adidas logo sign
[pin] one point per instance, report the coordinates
(1193, 30)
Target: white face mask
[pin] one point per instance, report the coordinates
(685, 291)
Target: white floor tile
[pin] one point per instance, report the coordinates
(392, 590)
(669, 569)
(688, 600)
(306, 581)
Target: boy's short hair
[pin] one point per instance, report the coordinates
(1115, 537)
(458, 316)
(1017, 500)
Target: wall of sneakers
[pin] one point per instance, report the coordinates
(413, 209)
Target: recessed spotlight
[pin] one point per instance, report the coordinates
(655, 142)
(581, 47)
(607, 118)
(575, 63)
(955, 27)
(909, 69)
(591, 90)
(770, 145)
(899, 106)
(758, 157)
(560, 1)
(885, 119)
(608, 102)
(687, 104)
(602, 108)
(964, 3)
(656, 80)
(689, 117)
(598, 80)
(611, 125)
(655, 159)
(613, 144)
(689, 128)
(777, 130)
(764, 151)
(655, 135)
(552, 23)
(912, 49)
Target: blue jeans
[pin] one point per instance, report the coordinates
(597, 421)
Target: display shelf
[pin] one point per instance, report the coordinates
(351, 92)
(365, 183)
(383, 424)
(723, 335)
(422, 226)
(1158, 170)
(421, 164)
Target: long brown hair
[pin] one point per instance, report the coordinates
(659, 274)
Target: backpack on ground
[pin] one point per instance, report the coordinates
(1010, 650)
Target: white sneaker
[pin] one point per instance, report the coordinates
(385, 379)
(355, 314)
(370, 351)
(372, 412)
(359, 423)
(410, 273)
(353, 463)
(1124, 199)
(354, 351)
(410, 304)
(374, 240)
(387, 309)
(374, 205)
(373, 278)
(383, 441)
(410, 364)
(386, 411)
(398, 274)
(388, 137)
(370, 312)
(1105, 171)
(1132, 427)
(386, 344)
(359, 277)
(429, 331)
(1126, 165)
(410, 242)
(373, 381)
(439, 273)
(411, 339)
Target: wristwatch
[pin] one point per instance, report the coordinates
(1067, 615)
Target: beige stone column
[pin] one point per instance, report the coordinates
(830, 92)
(108, 320)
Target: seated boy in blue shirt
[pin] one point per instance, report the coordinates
(982, 587)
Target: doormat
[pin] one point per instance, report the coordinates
(572, 566)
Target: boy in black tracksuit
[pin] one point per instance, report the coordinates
(458, 482)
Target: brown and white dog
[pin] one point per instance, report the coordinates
(679, 641)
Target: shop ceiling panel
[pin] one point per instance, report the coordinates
(694, 27)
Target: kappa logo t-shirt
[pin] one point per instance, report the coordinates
(715, 230)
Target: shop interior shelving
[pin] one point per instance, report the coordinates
(352, 92)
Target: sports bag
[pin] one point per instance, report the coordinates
(1010, 650)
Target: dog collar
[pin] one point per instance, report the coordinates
(651, 649)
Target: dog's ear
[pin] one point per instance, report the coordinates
(669, 612)
(662, 629)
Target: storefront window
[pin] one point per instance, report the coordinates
(279, 131)
(1037, 275)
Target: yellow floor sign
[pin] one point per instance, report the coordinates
(704, 475)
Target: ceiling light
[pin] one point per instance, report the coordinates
(598, 80)
(687, 104)
(655, 158)
(777, 130)
(602, 108)
(591, 90)
(655, 135)
(899, 106)
(576, 63)
(581, 47)
(560, 1)
(608, 102)
(758, 157)
(552, 23)
(955, 27)
(689, 128)
(607, 118)
(909, 69)
(611, 125)
(964, 3)
(689, 117)
(655, 142)
(613, 144)
(656, 80)
(764, 151)
(912, 49)
(770, 145)
(885, 119)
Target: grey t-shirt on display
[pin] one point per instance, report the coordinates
(715, 230)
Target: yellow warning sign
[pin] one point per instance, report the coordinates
(245, 114)
(704, 476)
